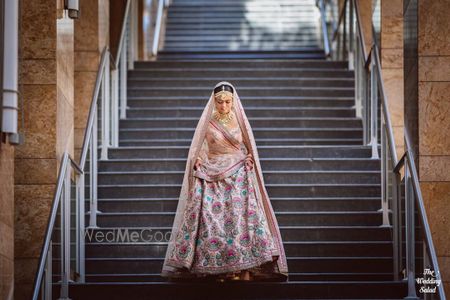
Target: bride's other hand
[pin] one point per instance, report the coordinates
(197, 164)
(248, 164)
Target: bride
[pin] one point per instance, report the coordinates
(225, 226)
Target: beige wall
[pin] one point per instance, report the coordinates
(434, 124)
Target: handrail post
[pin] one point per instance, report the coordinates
(374, 109)
(384, 180)
(115, 107)
(80, 227)
(396, 224)
(344, 33)
(123, 80)
(105, 112)
(65, 236)
(132, 31)
(93, 176)
(358, 100)
(47, 290)
(326, 41)
(158, 27)
(410, 231)
(351, 50)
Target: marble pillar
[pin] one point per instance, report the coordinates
(6, 219)
(434, 123)
(391, 53)
(46, 80)
(91, 36)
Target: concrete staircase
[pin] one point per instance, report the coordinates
(323, 185)
(242, 29)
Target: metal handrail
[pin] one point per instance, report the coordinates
(326, 39)
(62, 182)
(422, 214)
(340, 18)
(369, 86)
(407, 159)
(89, 145)
(93, 108)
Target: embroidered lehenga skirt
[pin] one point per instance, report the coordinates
(224, 227)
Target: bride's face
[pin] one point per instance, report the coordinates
(223, 102)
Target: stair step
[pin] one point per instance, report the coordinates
(259, 142)
(279, 27)
(262, 18)
(167, 122)
(209, 83)
(243, 92)
(242, 63)
(242, 35)
(267, 164)
(239, 3)
(279, 204)
(156, 277)
(275, 177)
(289, 233)
(195, 46)
(297, 248)
(162, 110)
(262, 132)
(229, 73)
(336, 218)
(264, 152)
(245, 290)
(296, 54)
(274, 190)
(295, 264)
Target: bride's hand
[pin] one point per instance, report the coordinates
(248, 164)
(197, 164)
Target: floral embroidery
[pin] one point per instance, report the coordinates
(225, 227)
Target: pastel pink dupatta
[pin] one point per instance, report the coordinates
(188, 180)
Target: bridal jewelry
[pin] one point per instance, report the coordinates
(223, 118)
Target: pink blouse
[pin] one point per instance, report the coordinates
(223, 152)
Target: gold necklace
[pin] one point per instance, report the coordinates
(224, 120)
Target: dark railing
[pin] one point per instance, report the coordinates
(400, 189)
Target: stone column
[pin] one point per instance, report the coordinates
(46, 80)
(6, 219)
(392, 65)
(91, 36)
(365, 10)
(434, 123)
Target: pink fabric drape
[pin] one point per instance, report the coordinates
(229, 152)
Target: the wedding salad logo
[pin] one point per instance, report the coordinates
(428, 282)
